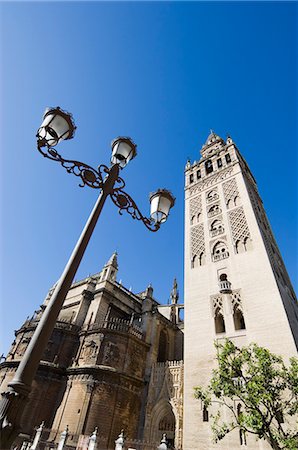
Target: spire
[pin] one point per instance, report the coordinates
(212, 138)
(174, 293)
(110, 269)
(113, 261)
(149, 291)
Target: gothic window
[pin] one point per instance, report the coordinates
(220, 251)
(198, 174)
(192, 220)
(219, 322)
(215, 209)
(191, 178)
(219, 163)
(208, 166)
(238, 318)
(205, 414)
(199, 215)
(216, 228)
(163, 347)
(228, 158)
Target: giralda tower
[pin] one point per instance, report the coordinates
(236, 284)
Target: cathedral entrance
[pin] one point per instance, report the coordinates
(164, 423)
(167, 426)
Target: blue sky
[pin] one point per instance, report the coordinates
(163, 73)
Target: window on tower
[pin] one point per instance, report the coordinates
(208, 166)
(238, 318)
(191, 178)
(219, 163)
(220, 251)
(228, 158)
(219, 322)
(198, 174)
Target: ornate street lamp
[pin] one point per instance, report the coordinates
(58, 125)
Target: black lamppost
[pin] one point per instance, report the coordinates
(58, 125)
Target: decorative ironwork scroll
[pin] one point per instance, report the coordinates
(95, 179)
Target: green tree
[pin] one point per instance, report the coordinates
(263, 387)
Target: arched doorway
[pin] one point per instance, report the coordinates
(163, 421)
(167, 425)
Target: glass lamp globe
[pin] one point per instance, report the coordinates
(123, 151)
(56, 126)
(161, 202)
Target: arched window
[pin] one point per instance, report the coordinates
(208, 166)
(240, 247)
(220, 251)
(202, 259)
(215, 209)
(229, 204)
(247, 243)
(238, 318)
(194, 261)
(219, 322)
(199, 215)
(216, 228)
(236, 201)
(192, 220)
(163, 347)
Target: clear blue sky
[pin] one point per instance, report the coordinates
(163, 73)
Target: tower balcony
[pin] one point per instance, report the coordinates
(220, 256)
(217, 231)
(225, 287)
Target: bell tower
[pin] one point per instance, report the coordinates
(236, 284)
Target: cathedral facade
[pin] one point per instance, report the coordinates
(114, 361)
(121, 360)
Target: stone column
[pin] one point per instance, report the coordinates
(37, 437)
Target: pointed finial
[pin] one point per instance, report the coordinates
(149, 291)
(175, 292)
(113, 261)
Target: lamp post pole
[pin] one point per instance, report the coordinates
(58, 125)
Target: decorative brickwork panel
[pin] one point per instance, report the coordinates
(195, 206)
(197, 240)
(210, 181)
(238, 224)
(217, 304)
(230, 190)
